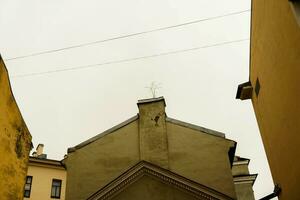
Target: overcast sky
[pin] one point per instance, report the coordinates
(65, 108)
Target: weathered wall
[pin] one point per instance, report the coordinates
(275, 61)
(244, 191)
(200, 157)
(15, 142)
(239, 170)
(148, 188)
(42, 181)
(100, 162)
(153, 133)
(197, 156)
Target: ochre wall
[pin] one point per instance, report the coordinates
(98, 163)
(15, 142)
(148, 188)
(42, 181)
(275, 61)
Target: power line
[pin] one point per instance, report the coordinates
(129, 59)
(125, 36)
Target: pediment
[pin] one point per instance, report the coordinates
(145, 169)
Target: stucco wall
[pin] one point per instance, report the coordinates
(195, 155)
(240, 170)
(42, 181)
(15, 143)
(153, 133)
(200, 157)
(275, 61)
(244, 191)
(98, 163)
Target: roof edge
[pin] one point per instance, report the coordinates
(142, 101)
(195, 127)
(100, 135)
(49, 162)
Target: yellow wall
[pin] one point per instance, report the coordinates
(42, 181)
(15, 142)
(275, 60)
(198, 156)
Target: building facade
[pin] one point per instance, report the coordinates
(152, 156)
(46, 178)
(273, 88)
(15, 141)
(243, 180)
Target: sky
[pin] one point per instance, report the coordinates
(197, 65)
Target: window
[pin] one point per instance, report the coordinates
(27, 188)
(56, 188)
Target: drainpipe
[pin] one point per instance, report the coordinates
(275, 193)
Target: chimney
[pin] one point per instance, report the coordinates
(39, 149)
(153, 131)
(39, 152)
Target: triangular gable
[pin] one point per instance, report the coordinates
(144, 168)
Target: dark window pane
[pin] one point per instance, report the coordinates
(56, 188)
(28, 179)
(27, 193)
(27, 186)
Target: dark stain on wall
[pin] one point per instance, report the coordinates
(20, 139)
(19, 147)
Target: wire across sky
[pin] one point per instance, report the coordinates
(125, 36)
(64, 69)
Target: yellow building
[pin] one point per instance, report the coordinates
(15, 142)
(274, 90)
(46, 178)
(152, 156)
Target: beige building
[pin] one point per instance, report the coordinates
(152, 156)
(273, 87)
(46, 178)
(15, 142)
(243, 180)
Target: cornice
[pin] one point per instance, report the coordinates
(245, 179)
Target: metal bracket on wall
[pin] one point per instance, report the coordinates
(275, 193)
